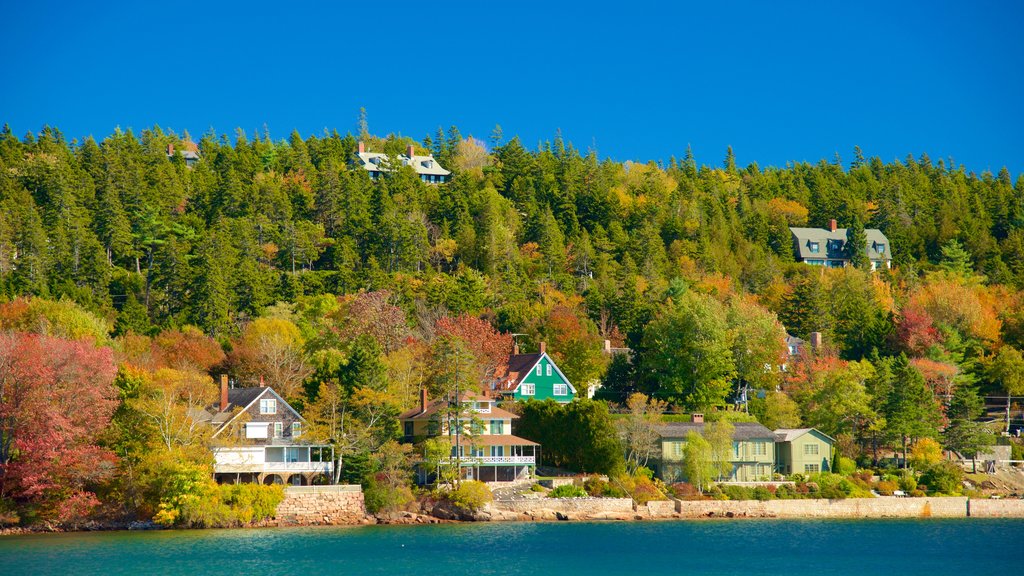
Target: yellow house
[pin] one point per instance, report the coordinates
(753, 450)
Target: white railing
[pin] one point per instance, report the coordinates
(272, 467)
(499, 459)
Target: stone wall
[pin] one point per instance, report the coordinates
(565, 508)
(997, 508)
(658, 508)
(321, 505)
(883, 507)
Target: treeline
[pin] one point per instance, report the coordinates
(277, 259)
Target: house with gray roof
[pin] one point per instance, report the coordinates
(802, 451)
(426, 167)
(258, 438)
(752, 456)
(821, 247)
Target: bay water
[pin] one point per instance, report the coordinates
(741, 547)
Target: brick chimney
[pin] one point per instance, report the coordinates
(515, 349)
(170, 149)
(223, 392)
(816, 340)
(423, 400)
(262, 385)
(543, 347)
(697, 418)
(832, 225)
(362, 147)
(409, 151)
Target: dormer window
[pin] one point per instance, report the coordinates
(539, 370)
(880, 248)
(814, 247)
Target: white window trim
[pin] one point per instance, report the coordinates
(549, 369)
(268, 406)
(561, 390)
(528, 389)
(278, 429)
(539, 370)
(296, 427)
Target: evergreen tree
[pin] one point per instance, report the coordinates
(857, 245)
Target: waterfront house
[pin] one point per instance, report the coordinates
(752, 456)
(190, 153)
(802, 450)
(258, 439)
(426, 167)
(534, 376)
(479, 434)
(821, 247)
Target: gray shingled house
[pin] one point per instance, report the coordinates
(821, 247)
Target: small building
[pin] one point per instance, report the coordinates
(258, 439)
(190, 153)
(534, 376)
(426, 167)
(752, 457)
(802, 451)
(479, 433)
(821, 247)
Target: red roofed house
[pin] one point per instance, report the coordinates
(534, 376)
(485, 448)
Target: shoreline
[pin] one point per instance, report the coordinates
(615, 510)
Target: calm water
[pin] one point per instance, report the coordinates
(747, 547)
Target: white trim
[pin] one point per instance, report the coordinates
(551, 363)
(254, 401)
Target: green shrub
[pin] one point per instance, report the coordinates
(908, 483)
(738, 492)
(887, 487)
(846, 467)
(568, 491)
(762, 493)
(382, 497)
(252, 502)
(8, 513)
(943, 478)
(470, 496)
(535, 487)
(599, 488)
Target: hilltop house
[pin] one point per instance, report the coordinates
(479, 433)
(752, 456)
(534, 376)
(802, 450)
(425, 167)
(820, 247)
(258, 439)
(190, 153)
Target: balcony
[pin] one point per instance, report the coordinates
(488, 460)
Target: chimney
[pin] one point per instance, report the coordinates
(409, 151)
(362, 147)
(170, 149)
(423, 400)
(223, 392)
(543, 347)
(607, 346)
(515, 349)
(262, 385)
(832, 225)
(815, 340)
(697, 418)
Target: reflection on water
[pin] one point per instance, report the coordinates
(742, 547)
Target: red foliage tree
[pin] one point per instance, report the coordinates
(186, 349)
(372, 313)
(490, 347)
(56, 397)
(915, 331)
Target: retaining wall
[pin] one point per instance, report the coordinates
(883, 507)
(570, 508)
(321, 505)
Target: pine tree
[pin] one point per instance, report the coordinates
(857, 245)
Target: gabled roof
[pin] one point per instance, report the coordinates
(741, 430)
(436, 405)
(520, 366)
(378, 161)
(243, 398)
(790, 434)
(832, 244)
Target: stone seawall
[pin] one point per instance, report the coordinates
(328, 505)
(563, 509)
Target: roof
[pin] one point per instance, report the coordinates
(240, 398)
(741, 430)
(436, 405)
(833, 243)
(378, 162)
(790, 434)
(491, 440)
(520, 366)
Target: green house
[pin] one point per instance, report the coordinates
(802, 451)
(752, 456)
(535, 376)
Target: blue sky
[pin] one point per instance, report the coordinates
(779, 81)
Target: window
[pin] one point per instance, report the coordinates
(296, 429)
(561, 390)
(268, 406)
(677, 449)
(880, 248)
(497, 426)
(548, 369)
(528, 389)
(539, 373)
(810, 449)
(760, 448)
(816, 262)
(814, 247)
(496, 452)
(409, 429)
(810, 468)
(476, 427)
(278, 429)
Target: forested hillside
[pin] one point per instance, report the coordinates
(277, 259)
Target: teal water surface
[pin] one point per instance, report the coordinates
(747, 547)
